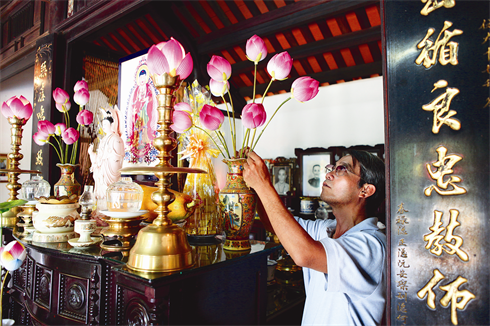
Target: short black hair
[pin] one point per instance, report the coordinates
(372, 172)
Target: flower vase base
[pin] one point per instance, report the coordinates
(53, 237)
(237, 245)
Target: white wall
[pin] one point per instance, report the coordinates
(344, 114)
(20, 84)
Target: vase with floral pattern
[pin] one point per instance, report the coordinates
(67, 185)
(237, 204)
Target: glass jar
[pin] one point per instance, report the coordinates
(34, 188)
(124, 196)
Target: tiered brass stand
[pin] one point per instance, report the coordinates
(9, 219)
(122, 229)
(162, 246)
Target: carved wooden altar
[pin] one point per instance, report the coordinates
(58, 284)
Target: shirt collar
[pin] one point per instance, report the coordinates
(369, 223)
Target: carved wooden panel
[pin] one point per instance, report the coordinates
(43, 286)
(20, 277)
(73, 299)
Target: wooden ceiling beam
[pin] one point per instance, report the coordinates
(287, 17)
(330, 76)
(331, 44)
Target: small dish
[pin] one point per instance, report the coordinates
(124, 214)
(74, 242)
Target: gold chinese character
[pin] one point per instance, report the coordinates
(486, 70)
(488, 54)
(401, 307)
(444, 166)
(448, 51)
(402, 318)
(428, 289)
(43, 71)
(402, 220)
(485, 40)
(487, 83)
(402, 242)
(485, 24)
(402, 274)
(41, 96)
(40, 114)
(402, 284)
(431, 5)
(434, 238)
(402, 296)
(440, 106)
(488, 102)
(401, 264)
(402, 230)
(402, 252)
(401, 209)
(458, 298)
(39, 157)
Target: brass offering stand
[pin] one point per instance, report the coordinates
(162, 246)
(123, 229)
(26, 216)
(9, 219)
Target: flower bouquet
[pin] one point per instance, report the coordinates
(66, 137)
(253, 114)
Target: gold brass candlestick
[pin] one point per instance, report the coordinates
(9, 218)
(162, 246)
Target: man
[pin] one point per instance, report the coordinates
(344, 259)
(315, 180)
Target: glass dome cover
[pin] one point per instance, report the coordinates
(124, 196)
(34, 188)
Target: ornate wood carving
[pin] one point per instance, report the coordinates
(94, 296)
(43, 287)
(119, 305)
(137, 314)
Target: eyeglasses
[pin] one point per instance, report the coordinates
(339, 170)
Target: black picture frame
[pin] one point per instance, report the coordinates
(288, 166)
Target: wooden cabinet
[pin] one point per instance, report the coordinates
(64, 286)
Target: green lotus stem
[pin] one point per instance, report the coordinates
(222, 139)
(269, 122)
(268, 86)
(234, 126)
(59, 156)
(243, 143)
(229, 118)
(212, 140)
(74, 148)
(253, 137)
(255, 79)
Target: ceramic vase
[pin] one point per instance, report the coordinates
(67, 185)
(237, 205)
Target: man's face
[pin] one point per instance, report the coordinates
(316, 170)
(342, 190)
(281, 175)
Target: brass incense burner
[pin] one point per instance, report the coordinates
(162, 246)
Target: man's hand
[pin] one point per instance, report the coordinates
(255, 172)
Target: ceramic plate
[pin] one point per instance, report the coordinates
(74, 242)
(124, 214)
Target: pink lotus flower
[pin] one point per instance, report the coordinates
(219, 68)
(211, 117)
(169, 57)
(17, 106)
(182, 120)
(253, 115)
(46, 127)
(304, 89)
(256, 49)
(59, 129)
(85, 117)
(279, 66)
(12, 255)
(40, 138)
(70, 136)
(60, 96)
(81, 84)
(81, 96)
(218, 88)
(63, 107)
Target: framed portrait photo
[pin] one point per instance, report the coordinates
(3, 165)
(312, 162)
(282, 174)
